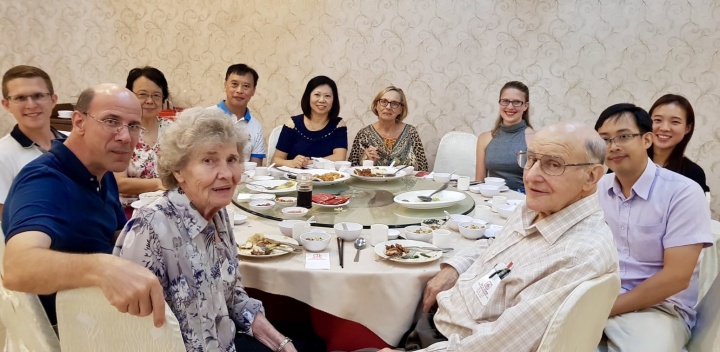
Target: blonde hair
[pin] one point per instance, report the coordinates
(404, 112)
(193, 128)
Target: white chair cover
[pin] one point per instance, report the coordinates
(457, 152)
(272, 142)
(706, 333)
(579, 322)
(88, 322)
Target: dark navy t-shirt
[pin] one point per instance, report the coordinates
(301, 141)
(56, 194)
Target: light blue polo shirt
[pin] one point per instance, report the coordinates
(256, 146)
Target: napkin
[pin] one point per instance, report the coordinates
(319, 261)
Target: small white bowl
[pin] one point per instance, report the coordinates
(452, 223)
(342, 164)
(492, 230)
(315, 240)
(278, 174)
(432, 223)
(263, 178)
(515, 201)
(249, 165)
(495, 181)
(286, 201)
(352, 232)
(244, 197)
(506, 210)
(470, 233)
(65, 114)
(393, 234)
(412, 234)
(294, 212)
(261, 204)
(262, 196)
(287, 225)
(239, 219)
(441, 177)
(488, 190)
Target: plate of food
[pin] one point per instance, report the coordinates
(442, 199)
(320, 177)
(266, 246)
(272, 186)
(329, 201)
(407, 251)
(376, 173)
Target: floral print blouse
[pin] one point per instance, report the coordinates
(199, 276)
(143, 163)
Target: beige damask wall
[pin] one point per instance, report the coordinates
(451, 57)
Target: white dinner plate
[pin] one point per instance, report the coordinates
(377, 170)
(431, 255)
(444, 199)
(260, 186)
(317, 172)
(332, 205)
(474, 189)
(241, 240)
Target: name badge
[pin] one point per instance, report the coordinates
(487, 284)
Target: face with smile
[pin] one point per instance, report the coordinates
(30, 114)
(238, 90)
(152, 94)
(210, 176)
(511, 114)
(387, 113)
(626, 157)
(669, 126)
(321, 100)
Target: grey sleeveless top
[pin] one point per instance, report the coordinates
(501, 154)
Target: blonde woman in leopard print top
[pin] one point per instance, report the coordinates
(389, 139)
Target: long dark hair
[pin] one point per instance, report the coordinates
(526, 114)
(677, 161)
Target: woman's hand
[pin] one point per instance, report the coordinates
(371, 153)
(299, 162)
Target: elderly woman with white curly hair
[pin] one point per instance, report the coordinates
(186, 238)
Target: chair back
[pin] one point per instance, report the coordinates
(27, 327)
(706, 333)
(457, 152)
(579, 322)
(272, 142)
(86, 318)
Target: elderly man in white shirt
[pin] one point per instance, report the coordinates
(501, 298)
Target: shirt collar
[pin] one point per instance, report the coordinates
(71, 165)
(642, 186)
(25, 141)
(555, 225)
(190, 217)
(224, 108)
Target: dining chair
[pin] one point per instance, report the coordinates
(27, 327)
(579, 322)
(86, 318)
(705, 335)
(457, 152)
(272, 142)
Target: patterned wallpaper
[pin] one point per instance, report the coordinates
(450, 57)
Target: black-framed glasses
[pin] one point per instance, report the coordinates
(393, 104)
(515, 103)
(144, 96)
(550, 164)
(114, 126)
(36, 97)
(621, 139)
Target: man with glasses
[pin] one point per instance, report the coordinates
(240, 83)
(660, 221)
(501, 297)
(29, 96)
(63, 214)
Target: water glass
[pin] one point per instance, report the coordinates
(442, 238)
(378, 233)
(463, 183)
(368, 163)
(299, 229)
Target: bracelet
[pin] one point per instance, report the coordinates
(283, 343)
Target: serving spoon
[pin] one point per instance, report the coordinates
(429, 198)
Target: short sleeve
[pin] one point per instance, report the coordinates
(688, 219)
(31, 209)
(286, 140)
(6, 178)
(340, 138)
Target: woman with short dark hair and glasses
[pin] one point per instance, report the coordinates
(389, 139)
(151, 88)
(673, 123)
(497, 149)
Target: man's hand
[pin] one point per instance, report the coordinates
(443, 281)
(132, 289)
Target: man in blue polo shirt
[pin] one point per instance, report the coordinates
(240, 83)
(63, 213)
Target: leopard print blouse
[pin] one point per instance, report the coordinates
(407, 149)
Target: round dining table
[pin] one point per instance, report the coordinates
(381, 295)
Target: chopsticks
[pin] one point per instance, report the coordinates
(341, 246)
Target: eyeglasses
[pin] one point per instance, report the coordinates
(393, 104)
(550, 164)
(37, 97)
(144, 96)
(621, 139)
(114, 126)
(515, 103)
